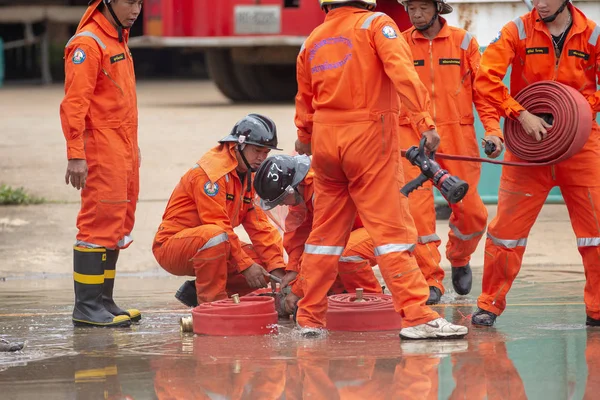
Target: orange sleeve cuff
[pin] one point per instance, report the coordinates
(245, 262)
(304, 137)
(511, 108)
(75, 149)
(423, 122)
(495, 132)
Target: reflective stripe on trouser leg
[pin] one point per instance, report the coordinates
(422, 208)
(502, 263)
(210, 268)
(372, 161)
(469, 216)
(334, 214)
(521, 196)
(583, 204)
(356, 263)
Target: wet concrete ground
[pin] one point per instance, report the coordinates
(539, 349)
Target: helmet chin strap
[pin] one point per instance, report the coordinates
(429, 24)
(552, 17)
(119, 24)
(240, 148)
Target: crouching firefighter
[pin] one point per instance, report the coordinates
(196, 236)
(99, 119)
(285, 190)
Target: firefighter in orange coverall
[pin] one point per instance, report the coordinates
(100, 123)
(555, 41)
(285, 183)
(196, 235)
(350, 71)
(447, 59)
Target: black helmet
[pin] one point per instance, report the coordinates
(279, 176)
(254, 129)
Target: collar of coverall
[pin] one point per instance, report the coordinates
(108, 27)
(579, 20)
(342, 11)
(444, 32)
(219, 161)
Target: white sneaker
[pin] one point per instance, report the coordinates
(436, 329)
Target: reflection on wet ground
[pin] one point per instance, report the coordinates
(540, 349)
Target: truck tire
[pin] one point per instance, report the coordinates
(267, 83)
(221, 71)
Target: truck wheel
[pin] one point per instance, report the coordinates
(220, 70)
(267, 83)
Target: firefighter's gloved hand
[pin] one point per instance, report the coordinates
(303, 148)
(433, 140)
(533, 125)
(497, 142)
(256, 276)
(289, 277)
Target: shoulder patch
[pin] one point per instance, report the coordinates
(389, 32)
(494, 40)
(78, 56)
(211, 189)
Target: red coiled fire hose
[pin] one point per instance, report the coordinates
(571, 127)
(374, 313)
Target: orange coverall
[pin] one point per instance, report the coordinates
(100, 122)
(196, 235)
(526, 45)
(350, 71)
(447, 66)
(355, 263)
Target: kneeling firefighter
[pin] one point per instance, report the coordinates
(196, 235)
(285, 189)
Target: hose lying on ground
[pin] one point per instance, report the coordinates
(571, 118)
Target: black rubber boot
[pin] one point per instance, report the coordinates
(462, 279)
(435, 296)
(483, 318)
(88, 267)
(187, 294)
(589, 321)
(110, 267)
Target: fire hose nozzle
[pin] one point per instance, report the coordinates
(451, 187)
(186, 324)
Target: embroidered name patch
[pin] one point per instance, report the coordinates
(579, 54)
(211, 189)
(536, 50)
(78, 56)
(117, 58)
(419, 63)
(449, 61)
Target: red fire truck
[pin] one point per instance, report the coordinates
(251, 45)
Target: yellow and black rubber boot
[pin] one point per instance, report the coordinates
(110, 267)
(88, 274)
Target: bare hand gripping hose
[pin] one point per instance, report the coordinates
(571, 118)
